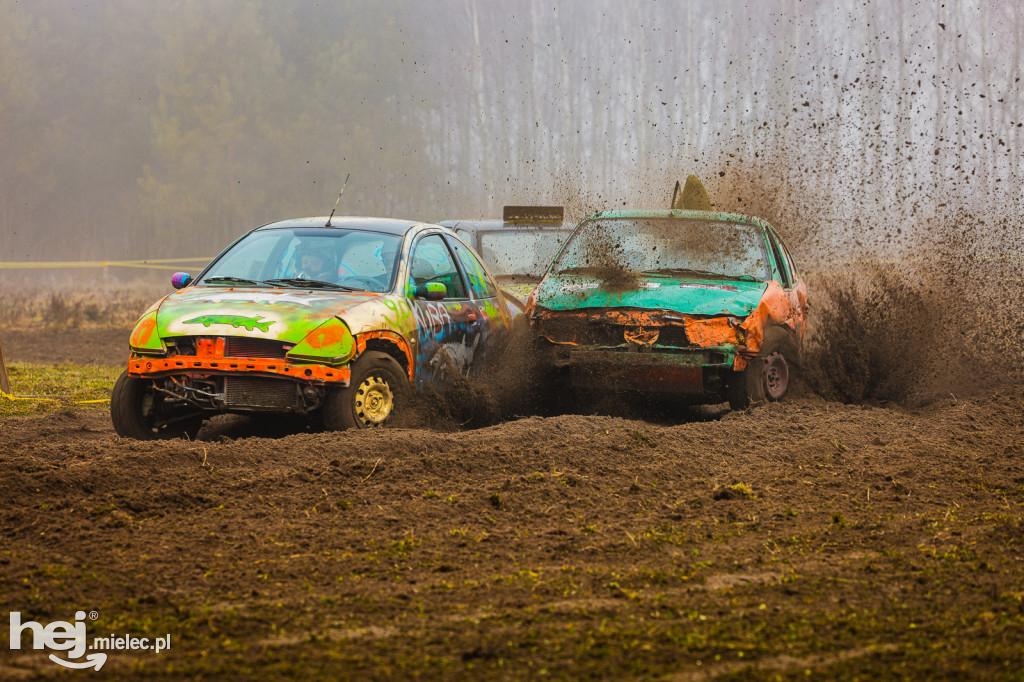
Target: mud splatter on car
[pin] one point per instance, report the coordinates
(698, 306)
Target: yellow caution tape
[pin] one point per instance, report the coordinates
(152, 263)
(51, 398)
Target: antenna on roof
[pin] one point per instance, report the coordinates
(347, 175)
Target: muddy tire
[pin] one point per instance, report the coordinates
(768, 376)
(377, 391)
(139, 412)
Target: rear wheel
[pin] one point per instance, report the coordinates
(378, 389)
(139, 411)
(766, 377)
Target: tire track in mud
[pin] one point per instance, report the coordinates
(782, 664)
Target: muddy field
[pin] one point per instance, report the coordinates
(845, 541)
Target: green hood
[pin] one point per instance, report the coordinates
(283, 314)
(710, 297)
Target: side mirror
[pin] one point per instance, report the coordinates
(180, 280)
(432, 291)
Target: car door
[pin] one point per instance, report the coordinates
(448, 329)
(492, 317)
(796, 291)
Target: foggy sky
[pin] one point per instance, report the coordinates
(137, 129)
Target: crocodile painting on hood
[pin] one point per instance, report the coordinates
(236, 321)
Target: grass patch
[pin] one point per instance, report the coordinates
(103, 305)
(66, 384)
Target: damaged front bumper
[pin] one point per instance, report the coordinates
(227, 375)
(694, 374)
(660, 352)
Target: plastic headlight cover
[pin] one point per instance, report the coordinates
(330, 343)
(145, 338)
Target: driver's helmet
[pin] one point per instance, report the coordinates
(315, 262)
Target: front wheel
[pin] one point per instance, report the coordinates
(377, 390)
(766, 377)
(139, 411)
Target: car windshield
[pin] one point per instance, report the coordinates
(520, 252)
(670, 246)
(330, 258)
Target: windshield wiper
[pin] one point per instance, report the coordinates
(229, 278)
(702, 273)
(312, 283)
(586, 270)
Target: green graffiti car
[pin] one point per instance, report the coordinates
(340, 318)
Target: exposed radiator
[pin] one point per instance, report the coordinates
(261, 393)
(244, 347)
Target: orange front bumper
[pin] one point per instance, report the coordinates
(189, 364)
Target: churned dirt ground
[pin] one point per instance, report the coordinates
(844, 541)
(96, 346)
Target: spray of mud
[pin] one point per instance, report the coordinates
(866, 337)
(897, 315)
(507, 388)
(608, 263)
(883, 336)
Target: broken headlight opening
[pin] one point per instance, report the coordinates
(181, 346)
(242, 393)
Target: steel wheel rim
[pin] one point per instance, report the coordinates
(374, 401)
(776, 376)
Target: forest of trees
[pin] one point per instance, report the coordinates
(158, 129)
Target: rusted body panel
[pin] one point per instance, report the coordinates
(670, 329)
(786, 309)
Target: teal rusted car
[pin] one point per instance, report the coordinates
(689, 305)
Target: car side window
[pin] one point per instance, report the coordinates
(479, 283)
(432, 262)
(466, 235)
(780, 263)
(790, 263)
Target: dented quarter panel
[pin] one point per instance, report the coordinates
(779, 307)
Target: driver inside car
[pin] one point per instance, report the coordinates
(314, 264)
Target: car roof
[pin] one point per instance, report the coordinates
(679, 213)
(501, 225)
(389, 225)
